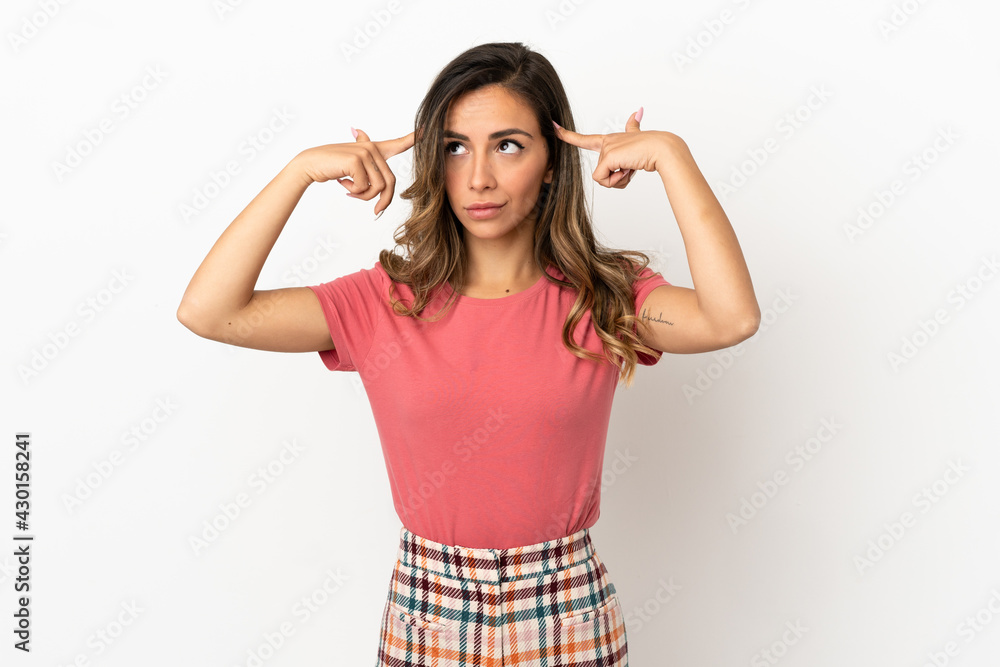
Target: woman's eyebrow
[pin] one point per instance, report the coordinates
(495, 135)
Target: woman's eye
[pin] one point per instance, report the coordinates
(506, 142)
(511, 141)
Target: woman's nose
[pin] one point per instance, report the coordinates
(482, 173)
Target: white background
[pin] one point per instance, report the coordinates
(895, 78)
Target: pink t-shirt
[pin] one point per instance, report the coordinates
(493, 433)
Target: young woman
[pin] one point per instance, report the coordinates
(490, 352)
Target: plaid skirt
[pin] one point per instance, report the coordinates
(550, 604)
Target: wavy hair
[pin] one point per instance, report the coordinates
(433, 236)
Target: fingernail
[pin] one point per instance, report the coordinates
(557, 125)
(379, 215)
(638, 115)
(354, 132)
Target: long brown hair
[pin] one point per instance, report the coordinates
(564, 237)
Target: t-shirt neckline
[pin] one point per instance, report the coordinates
(502, 300)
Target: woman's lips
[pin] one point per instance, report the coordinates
(484, 213)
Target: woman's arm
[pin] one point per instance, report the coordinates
(220, 302)
(718, 269)
(722, 308)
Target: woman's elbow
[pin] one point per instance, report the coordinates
(750, 326)
(187, 316)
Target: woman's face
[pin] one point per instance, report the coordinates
(494, 153)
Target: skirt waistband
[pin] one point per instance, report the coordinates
(494, 565)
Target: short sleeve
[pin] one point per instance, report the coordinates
(352, 308)
(647, 282)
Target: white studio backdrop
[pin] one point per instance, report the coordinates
(823, 494)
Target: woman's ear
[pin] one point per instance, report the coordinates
(548, 175)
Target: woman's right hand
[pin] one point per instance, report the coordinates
(360, 166)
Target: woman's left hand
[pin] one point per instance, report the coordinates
(621, 153)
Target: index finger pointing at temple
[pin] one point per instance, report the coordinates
(591, 142)
(391, 147)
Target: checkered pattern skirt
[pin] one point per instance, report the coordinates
(550, 604)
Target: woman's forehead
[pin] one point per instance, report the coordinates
(491, 107)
